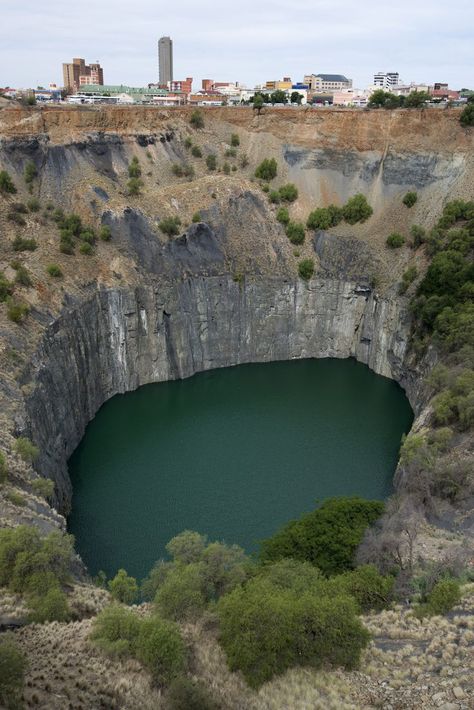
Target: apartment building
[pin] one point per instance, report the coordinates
(327, 83)
(386, 80)
(78, 73)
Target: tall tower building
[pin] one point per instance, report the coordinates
(165, 59)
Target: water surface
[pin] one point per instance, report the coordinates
(233, 453)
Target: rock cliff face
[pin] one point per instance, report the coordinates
(120, 339)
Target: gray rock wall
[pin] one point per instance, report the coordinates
(117, 340)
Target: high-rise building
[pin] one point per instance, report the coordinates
(386, 80)
(165, 60)
(79, 73)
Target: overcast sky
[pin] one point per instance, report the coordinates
(250, 41)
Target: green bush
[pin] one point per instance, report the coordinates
(13, 665)
(274, 196)
(408, 277)
(161, 649)
(357, 209)
(186, 694)
(443, 597)
(15, 498)
(211, 161)
(123, 588)
(43, 486)
(6, 288)
(3, 468)
(182, 170)
(134, 186)
(33, 204)
(170, 226)
(52, 606)
(226, 169)
(182, 595)
(419, 234)
(22, 277)
(196, 151)
(105, 233)
(295, 232)
(234, 140)
(86, 249)
(244, 161)
(283, 215)
(22, 244)
(265, 187)
(288, 193)
(319, 219)
(266, 629)
(30, 172)
(366, 585)
(267, 170)
(7, 186)
(306, 269)
(115, 630)
(467, 115)
(134, 169)
(196, 217)
(88, 235)
(410, 199)
(188, 143)
(54, 271)
(197, 119)
(395, 240)
(17, 312)
(17, 218)
(327, 537)
(230, 153)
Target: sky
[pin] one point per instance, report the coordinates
(250, 41)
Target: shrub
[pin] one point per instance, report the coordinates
(419, 234)
(22, 277)
(26, 450)
(86, 249)
(408, 277)
(115, 630)
(161, 649)
(22, 244)
(467, 115)
(288, 193)
(319, 219)
(283, 215)
(327, 537)
(54, 271)
(170, 226)
(7, 186)
(267, 170)
(266, 629)
(15, 498)
(226, 169)
(3, 468)
(230, 153)
(244, 161)
(17, 218)
(369, 588)
(196, 151)
(295, 232)
(196, 217)
(33, 204)
(306, 269)
(188, 143)
(17, 312)
(357, 209)
(182, 594)
(186, 694)
(395, 240)
(410, 199)
(123, 588)
(445, 594)
(30, 172)
(182, 170)
(13, 665)
(134, 186)
(211, 161)
(43, 486)
(52, 606)
(105, 233)
(88, 235)
(6, 288)
(234, 140)
(134, 169)
(265, 187)
(274, 196)
(197, 119)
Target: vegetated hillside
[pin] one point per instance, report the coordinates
(136, 247)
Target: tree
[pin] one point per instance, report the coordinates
(161, 649)
(51, 606)
(357, 209)
(123, 588)
(288, 193)
(410, 199)
(258, 103)
(416, 99)
(13, 665)
(134, 169)
(467, 115)
(187, 547)
(327, 537)
(395, 240)
(296, 98)
(267, 170)
(134, 186)
(115, 630)
(30, 172)
(278, 97)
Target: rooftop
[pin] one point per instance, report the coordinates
(332, 77)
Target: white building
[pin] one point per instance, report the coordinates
(386, 80)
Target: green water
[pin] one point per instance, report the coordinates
(232, 453)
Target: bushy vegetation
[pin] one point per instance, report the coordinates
(33, 204)
(155, 642)
(170, 226)
(197, 119)
(196, 217)
(325, 217)
(30, 172)
(187, 694)
(134, 186)
(357, 209)
(267, 170)
(408, 277)
(3, 468)
(235, 140)
(105, 233)
(182, 170)
(385, 99)
(211, 161)
(445, 594)
(22, 276)
(7, 186)
(327, 537)
(37, 567)
(467, 115)
(288, 193)
(196, 151)
(295, 232)
(306, 269)
(419, 235)
(54, 270)
(124, 588)
(6, 288)
(409, 199)
(395, 240)
(283, 215)
(17, 311)
(43, 487)
(13, 665)
(23, 244)
(134, 169)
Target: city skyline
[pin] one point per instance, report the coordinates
(265, 40)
